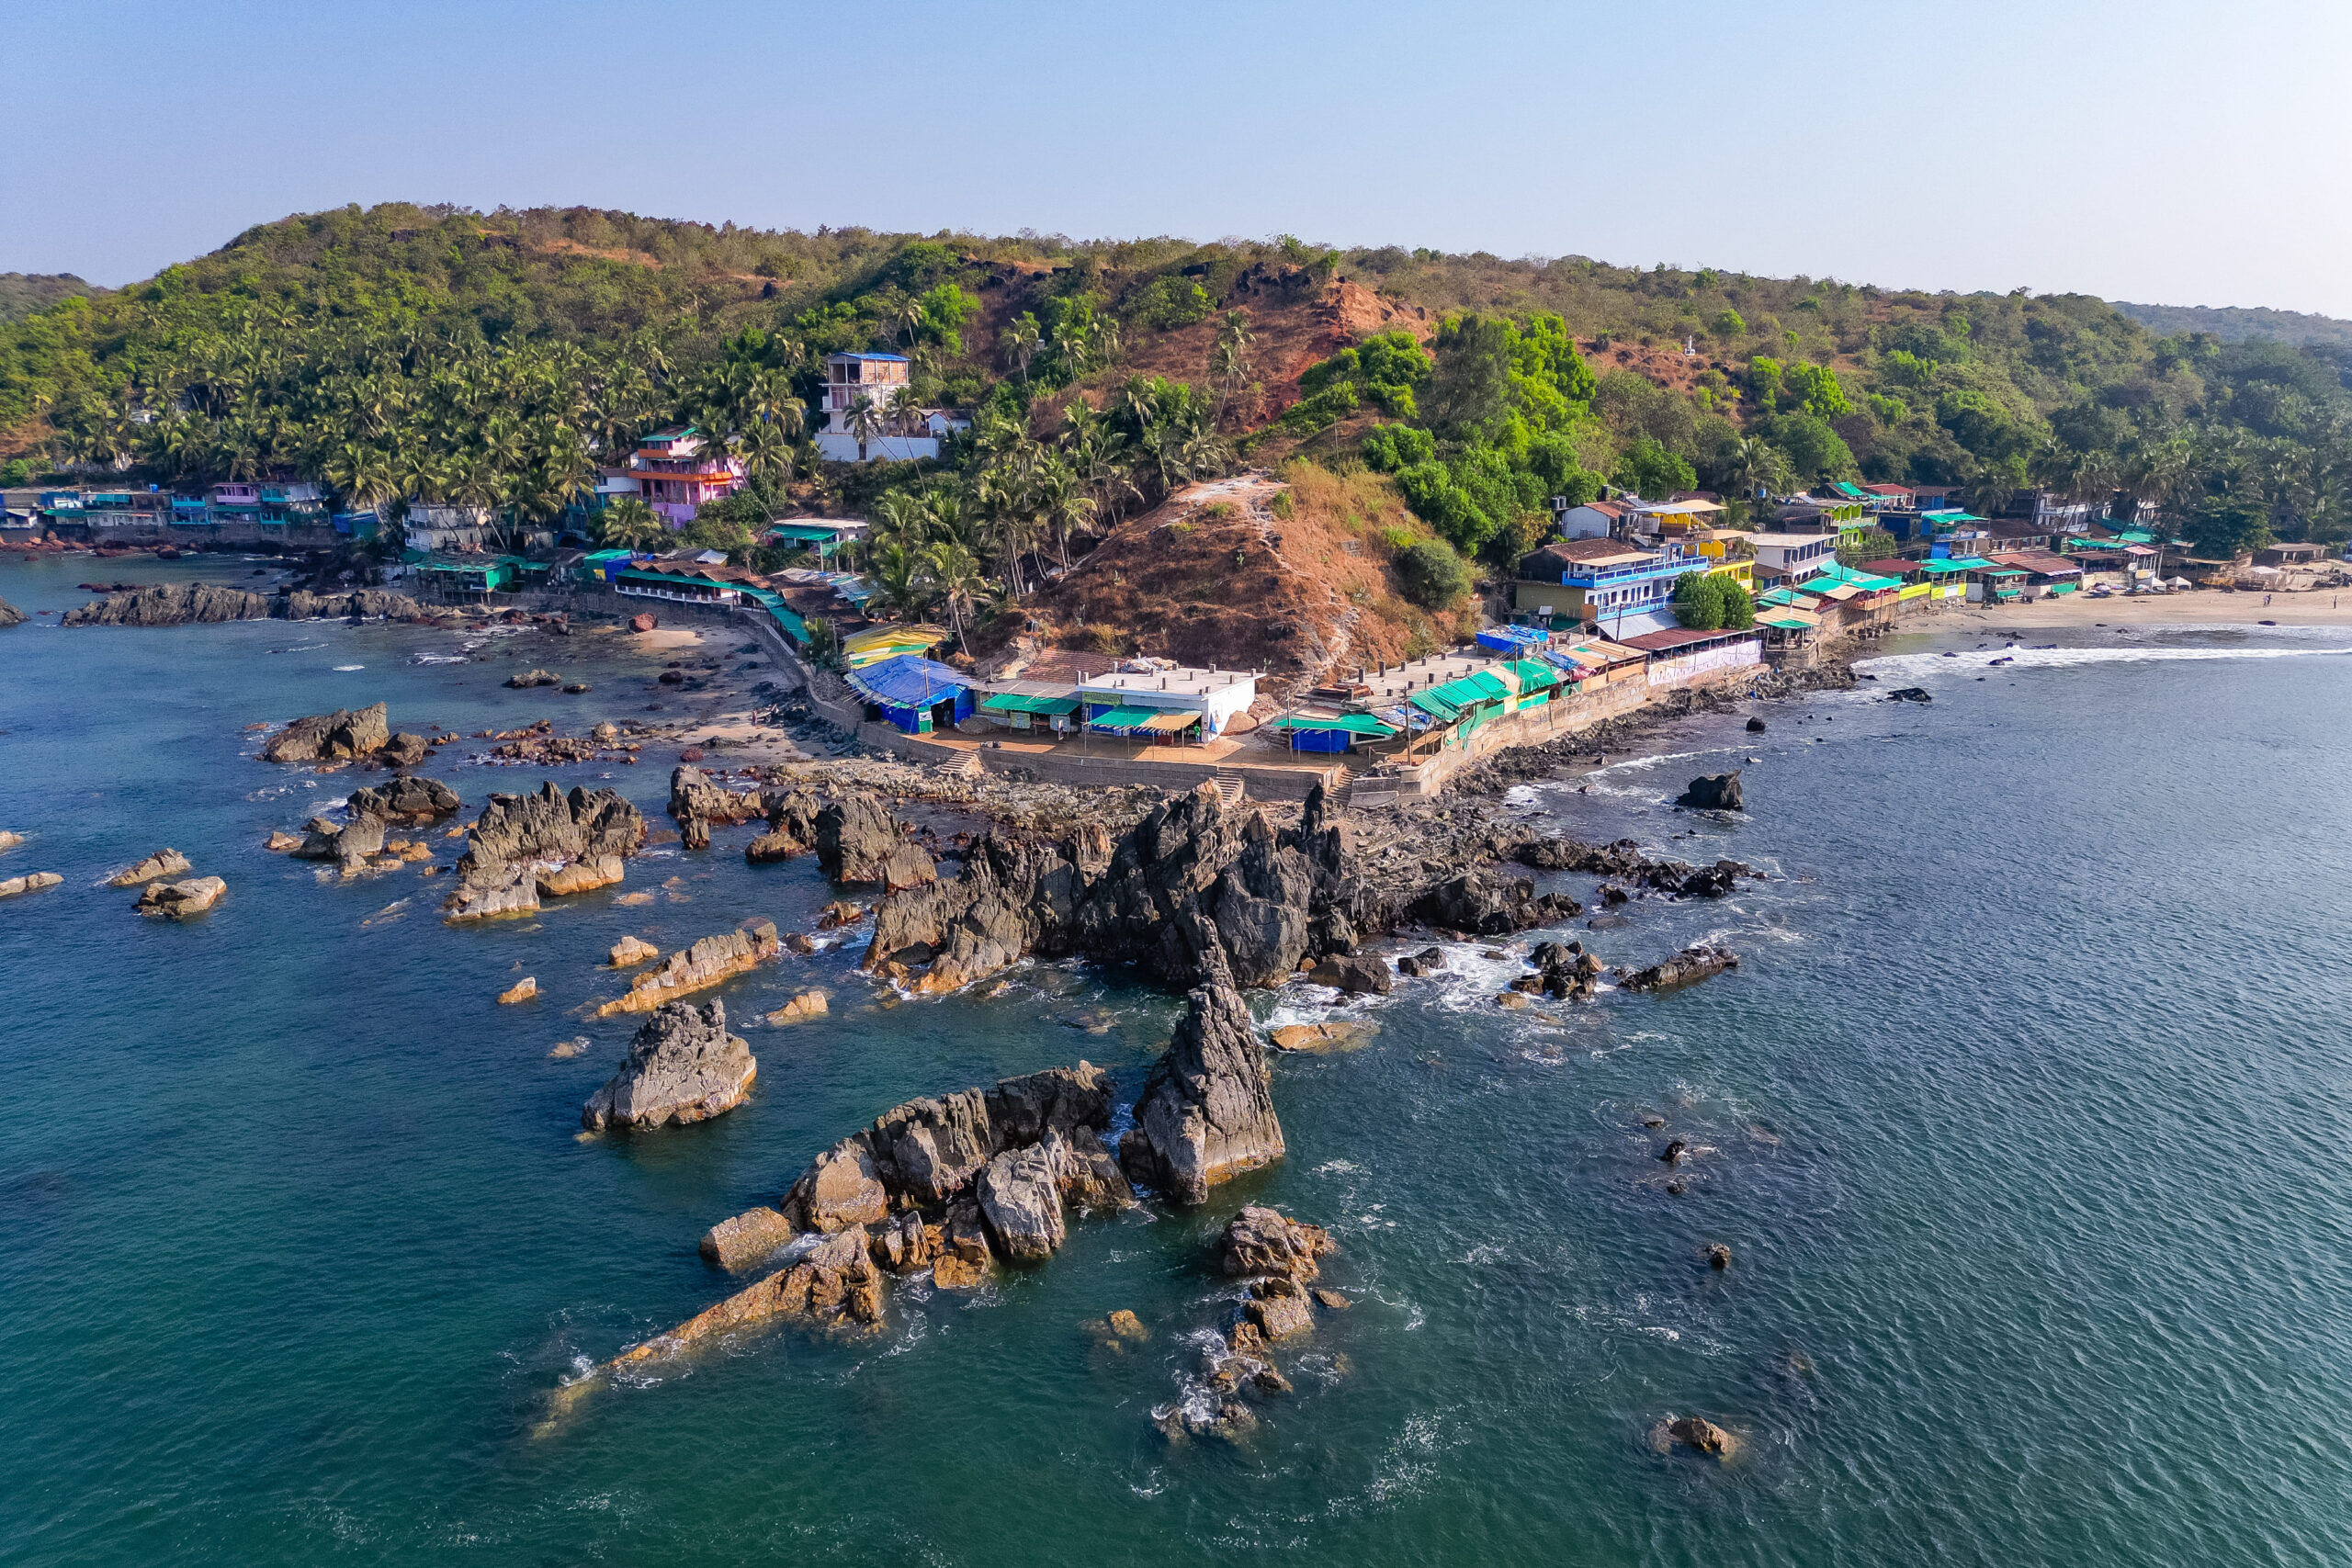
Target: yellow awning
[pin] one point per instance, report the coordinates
(1170, 723)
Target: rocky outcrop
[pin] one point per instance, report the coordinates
(1908, 695)
(1714, 792)
(551, 842)
(10, 615)
(1196, 887)
(1262, 1241)
(1698, 962)
(748, 1239)
(1625, 859)
(346, 732)
(859, 841)
(1698, 1432)
(523, 991)
(1207, 1112)
(406, 799)
(524, 680)
(369, 603)
(1487, 902)
(1333, 1035)
(682, 1066)
(154, 868)
(171, 604)
(1354, 974)
(632, 951)
(791, 827)
(834, 1281)
(204, 603)
(179, 900)
(31, 882)
(807, 1005)
(698, 968)
(1563, 970)
(696, 803)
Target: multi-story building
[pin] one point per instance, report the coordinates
(1620, 586)
(676, 477)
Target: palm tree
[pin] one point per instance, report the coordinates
(955, 573)
(627, 523)
(767, 452)
(866, 423)
(896, 572)
(907, 411)
(1021, 341)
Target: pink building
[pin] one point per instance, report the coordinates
(676, 478)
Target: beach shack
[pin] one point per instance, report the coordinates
(466, 577)
(1332, 734)
(913, 694)
(1166, 704)
(1031, 706)
(885, 643)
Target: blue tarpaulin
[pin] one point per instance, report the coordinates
(909, 687)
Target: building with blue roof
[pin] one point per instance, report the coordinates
(915, 695)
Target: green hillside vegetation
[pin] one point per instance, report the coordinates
(22, 293)
(405, 351)
(2234, 324)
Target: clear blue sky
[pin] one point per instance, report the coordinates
(2181, 152)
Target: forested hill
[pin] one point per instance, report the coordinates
(22, 293)
(407, 352)
(2234, 324)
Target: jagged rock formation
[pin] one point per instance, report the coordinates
(682, 1066)
(154, 868)
(524, 680)
(405, 799)
(1196, 887)
(696, 803)
(204, 603)
(10, 615)
(698, 968)
(178, 900)
(858, 840)
(346, 732)
(171, 604)
(1207, 1112)
(791, 827)
(1698, 962)
(1260, 1240)
(524, 845)
(944, 1183)
(351, 843)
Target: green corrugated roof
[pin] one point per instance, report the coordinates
(1353, 722)
(1021, 702)
(1125, 718)
(1434, 704)
(1532, 674)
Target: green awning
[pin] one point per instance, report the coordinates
(1965, 563)
(1353, 722)
(1434, 705)
(2005, 572)
(1122, 720)
(1018, 702)
(1855, 492)
(1785, 623)
(1533, 675)
(808, 533)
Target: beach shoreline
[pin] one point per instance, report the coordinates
(2197, 606)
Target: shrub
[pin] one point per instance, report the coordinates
(1173, 301)
(1398, 539)
(1432, 573)
(1392, 448)
(1322, 410)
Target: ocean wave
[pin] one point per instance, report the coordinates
(1921, 665)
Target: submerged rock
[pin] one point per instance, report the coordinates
(807, 1005)
(1697, 1432)
(523, 991)
(524, 680)
(1695, 963)
(1207, 1112)
(682, 1066)
(1335, 1034)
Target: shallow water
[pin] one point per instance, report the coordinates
(2023, 1117)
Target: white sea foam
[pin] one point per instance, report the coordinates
(347, 669)
(1974, 661)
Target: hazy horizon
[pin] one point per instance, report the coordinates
(2166, 155)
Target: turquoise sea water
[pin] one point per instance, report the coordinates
(2024, 1116)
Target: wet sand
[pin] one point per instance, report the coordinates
(2191, 607)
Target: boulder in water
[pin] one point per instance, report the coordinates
(682, 1066)
(154, 868)
(524, 680)
(31, 882)
(1207, 1112)
(346, 732)
(1714, 792)
(179, 900)
(1260, 1240)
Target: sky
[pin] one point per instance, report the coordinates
(2168, 152)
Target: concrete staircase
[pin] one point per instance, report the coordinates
(1231, 785)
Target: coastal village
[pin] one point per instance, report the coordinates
(1589, 627)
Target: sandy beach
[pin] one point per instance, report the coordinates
(2197, 606)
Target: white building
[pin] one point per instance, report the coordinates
(1593, 520)
(1794, 555)
(880, 378)
(1216, 696)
